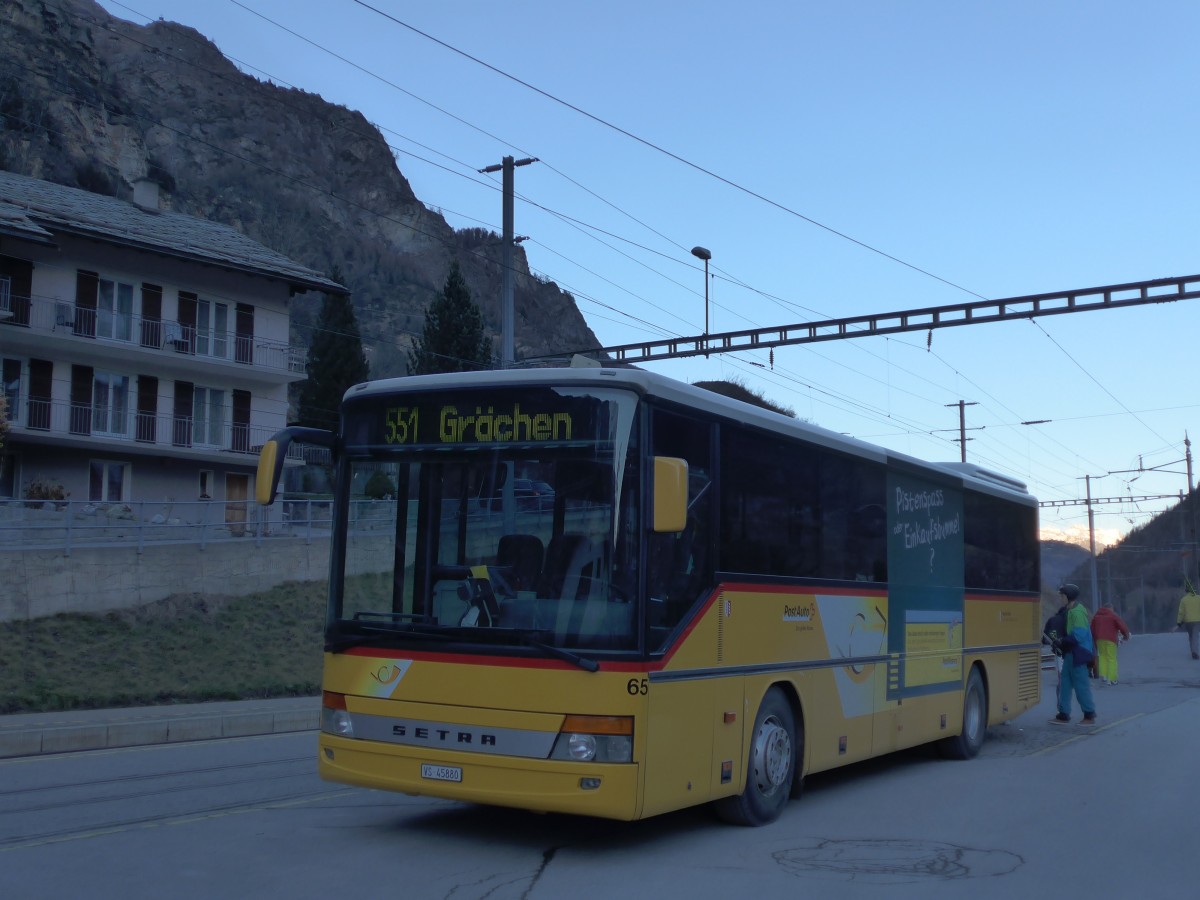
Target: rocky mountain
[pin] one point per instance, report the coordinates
(92, 101)
(1060, 559)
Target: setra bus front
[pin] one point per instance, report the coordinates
(483, 644)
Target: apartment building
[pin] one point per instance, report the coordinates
(145, 353)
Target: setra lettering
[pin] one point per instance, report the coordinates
(425, 734)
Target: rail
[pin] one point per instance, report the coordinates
(66, 524)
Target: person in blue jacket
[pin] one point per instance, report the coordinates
(1078, 652)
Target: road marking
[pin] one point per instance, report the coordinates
(177, 820)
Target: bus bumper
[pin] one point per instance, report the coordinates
(604, 790)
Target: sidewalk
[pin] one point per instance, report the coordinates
(29, 734)
(1150, 659)
(1152, 670)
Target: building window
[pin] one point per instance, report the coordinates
(110, 404)
(114, 310)
(206, 484)
(108, 481)
(11, 376)
(212, 329)
(6, 309)
(208, 417)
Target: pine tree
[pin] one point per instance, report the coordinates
(335, 361)
(453, 339)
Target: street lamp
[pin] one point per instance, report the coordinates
(702, 253)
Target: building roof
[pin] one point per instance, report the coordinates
(37, 210)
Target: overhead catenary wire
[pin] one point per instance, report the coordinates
(269, 169)
(434, 106)
(435, 151)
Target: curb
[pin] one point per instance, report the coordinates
(35, 740)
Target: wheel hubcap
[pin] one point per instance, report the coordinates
(973, 716)
(772, 756)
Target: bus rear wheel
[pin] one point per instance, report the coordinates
(771, 767)
(967, 743)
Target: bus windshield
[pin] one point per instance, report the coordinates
(490, 517)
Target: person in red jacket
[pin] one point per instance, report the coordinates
(1107, 629)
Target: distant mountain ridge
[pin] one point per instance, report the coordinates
(92, 101)
(1060, 559)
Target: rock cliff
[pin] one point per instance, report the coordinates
(93, 101)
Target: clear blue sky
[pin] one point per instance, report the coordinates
(994, 149)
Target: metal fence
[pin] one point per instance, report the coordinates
(64, 524)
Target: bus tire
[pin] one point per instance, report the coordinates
(966, 744)
(798, 753)
(770, 769)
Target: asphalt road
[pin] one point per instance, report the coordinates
(1054, 810)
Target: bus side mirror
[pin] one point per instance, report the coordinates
(275, 451)
(670, 494)
(270, 467)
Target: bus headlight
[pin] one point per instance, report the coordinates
(606, 739)
(335, 718)
(337, 721)
(581, 747)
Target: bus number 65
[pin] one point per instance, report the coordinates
(638, 686)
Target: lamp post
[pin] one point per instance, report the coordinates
(702, 253)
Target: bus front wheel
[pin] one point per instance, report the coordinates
(967, 743)
(771, 767)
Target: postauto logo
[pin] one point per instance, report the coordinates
(799, 612)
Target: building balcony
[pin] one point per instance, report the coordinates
(62, 330)
(127, 431)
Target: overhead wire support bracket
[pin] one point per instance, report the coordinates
(1095, 500)
(1113, 296)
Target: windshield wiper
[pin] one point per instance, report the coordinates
(380, 635)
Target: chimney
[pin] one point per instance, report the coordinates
(145, 194)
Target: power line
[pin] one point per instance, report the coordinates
(650, 144)
(552, 212)
(429, 162)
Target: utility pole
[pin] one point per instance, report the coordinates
(962, 425)
(506, 166)
(1187, 456)
(1092, 543)
(1193, 548)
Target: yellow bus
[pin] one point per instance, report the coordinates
(603, 592)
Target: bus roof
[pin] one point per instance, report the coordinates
(652, 384)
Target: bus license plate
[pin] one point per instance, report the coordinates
(441, 773)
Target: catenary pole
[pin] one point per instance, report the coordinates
(507, 318)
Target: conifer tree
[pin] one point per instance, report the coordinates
(335, 361)
(453, 339)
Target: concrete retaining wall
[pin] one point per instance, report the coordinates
(37, 583)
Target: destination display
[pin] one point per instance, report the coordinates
(475, 419)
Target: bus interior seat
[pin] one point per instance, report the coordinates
(522, 554)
